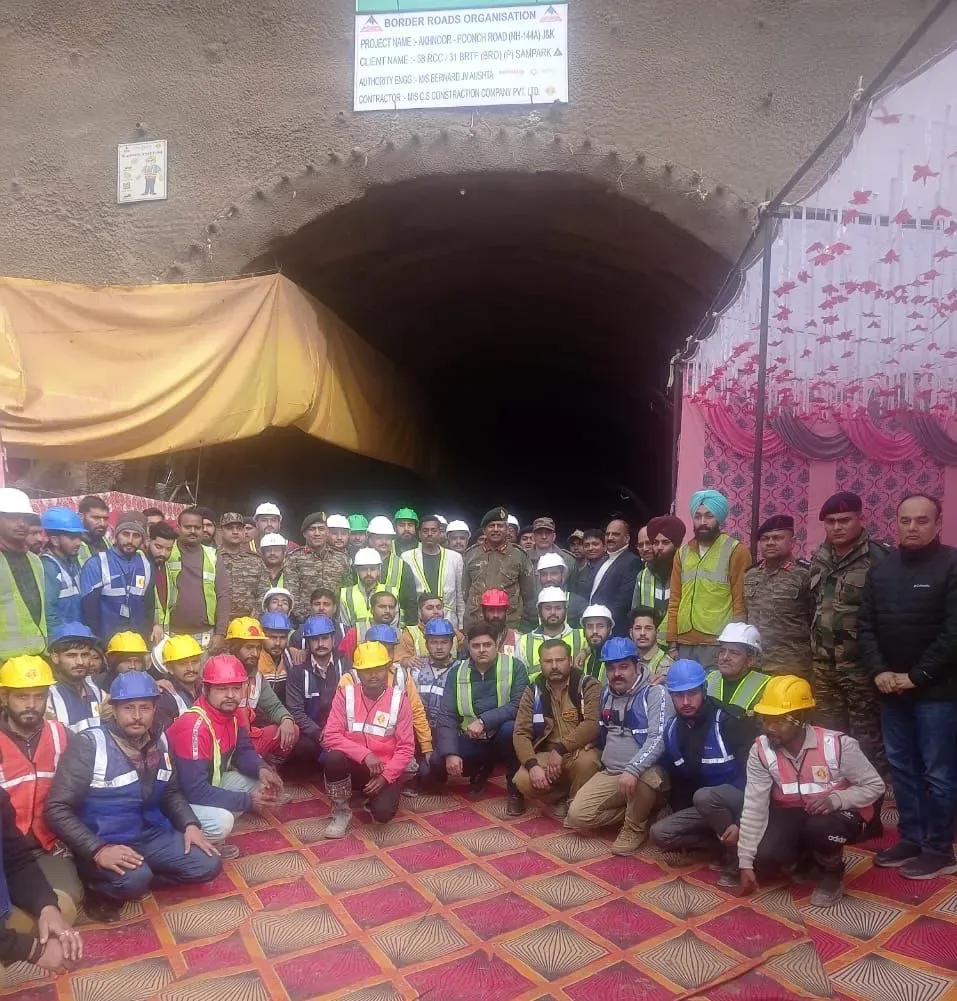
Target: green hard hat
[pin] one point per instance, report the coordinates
(358, 523)
(406, 514)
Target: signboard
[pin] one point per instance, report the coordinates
(459, 53)
(141, 171)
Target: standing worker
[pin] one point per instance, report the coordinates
(437, 570)
(358, 533)
(613, 583)
(397, 577)
(23, 614)
(316, 564)
(496, 563)
(61, 567)
(406, 523)
(653, 587)
(242, 565)
(96, 520)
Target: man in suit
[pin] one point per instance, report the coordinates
(614, 582)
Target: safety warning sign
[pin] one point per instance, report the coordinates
(451, 56)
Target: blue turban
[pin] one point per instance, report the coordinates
(714, 501)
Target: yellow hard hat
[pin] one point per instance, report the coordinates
(370, 655)
(245, 628)
(127, 643)
(181, 648)
(785, 694)
(26, 671)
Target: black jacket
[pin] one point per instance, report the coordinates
(908, 620)
(616, 589)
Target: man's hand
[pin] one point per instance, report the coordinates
(476, 729)
(262, 799)
(51, 925)
(818, 804)
(118, 858)
(287, 735)
(217, 643)
(297, 657)
(730, 835)
(539, 778)
(375, 785)
(193, 837)
(657, 679)
(157, 634)
(454, 766)
(270, 779)
(165, 685)
(52, 958)
(673, 650)
(627, 784)
(747, 882)
(374, 765)
(902, 683)
(579, 662)
(553, 766)
(886, 682)
(413, 663)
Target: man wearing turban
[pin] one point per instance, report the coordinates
(653, 587)
(707, 582)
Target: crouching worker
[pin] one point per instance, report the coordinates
(556, 724)
(630, 785)
(809, 792)
(219, 769)
(117, 805)
(706, 752)
(368, 740)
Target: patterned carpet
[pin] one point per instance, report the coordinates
(452, 902)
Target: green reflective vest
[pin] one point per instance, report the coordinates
(705, 605)
(530, 644)
(173, 567)
(745, 695)
(19, 634)
(354, 605)
(504, 669)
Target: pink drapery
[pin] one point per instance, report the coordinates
(737, 438)
(868, 439)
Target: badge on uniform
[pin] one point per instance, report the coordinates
(124, 611)
(381, 718)
(141, 582)
(821, 774)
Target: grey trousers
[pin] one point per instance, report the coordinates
(706, 654)
(216, 822)
(715, 809)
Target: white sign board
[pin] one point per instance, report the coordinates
(471, 57)
(141, 171)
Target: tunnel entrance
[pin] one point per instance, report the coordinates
(536, 314)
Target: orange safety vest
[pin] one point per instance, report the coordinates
(27, 782)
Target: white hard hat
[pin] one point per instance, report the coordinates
(268, 508)
(458, 526)
(549, 560)
(13, 501)
(741, 632)
(272, 539)
(598, 612)
(442, 521)
(367, 557)
(512, 520)
(273, 591)
(551, 594)
(381, 525)
(337, 521)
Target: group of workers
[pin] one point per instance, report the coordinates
(154, 687)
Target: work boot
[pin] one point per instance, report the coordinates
(479, 780)
(874, 828)
(101, 909)
(630, 838)
(829, 889)
(339, 794)
(515, 806)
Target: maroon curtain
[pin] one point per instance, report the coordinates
(801, 439)
(937, 443)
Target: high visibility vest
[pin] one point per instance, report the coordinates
(819, 771)
(651, 666)
(69, 583)
(418, 569)
(217, 750)
(393, 574)
(504, 669)
(705, 605)
(355, 604)
(530, 644)
(173, 567)
(18, 632)
(745, 695)
(381, 724)
(650, 592)
(27, 782)
(633, 720)
(717, 765)
(77, 713)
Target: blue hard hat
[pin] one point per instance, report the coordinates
(619, 648)
(61, 519)
(381, 633)
(439, 627)
(316, 625)
(685, 675)
(72, 631)
(275, 621)
(133, 685)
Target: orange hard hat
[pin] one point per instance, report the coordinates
(495, 597)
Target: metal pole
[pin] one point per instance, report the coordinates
(761, 400)
(676, 396)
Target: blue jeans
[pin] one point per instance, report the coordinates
(919, 740)
(164, 864)
(475, 753)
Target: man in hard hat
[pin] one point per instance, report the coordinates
(30, 751)
(614, 581)
(597, 624)
(96, 521)
(432, 671)
(512, 529)
(358, 533)
(497, 563)
(397, 576)
(477, 716)
(116, 804)
(311, 686)
(706, 753)
(406, 523)
(551, 571)
(552, 624)
(272, 552)
(268, 520)
(74, 697)
(316, 564)
(543, 530)
(243, 567)
(630, 784)
(61, 567)
(495, 612)
(457, 535)
(437, 570)
(736, 682)
(23, 613)
(707, 582)
(383, 610)
(653, 586)
(411, 649)
(181, 659)
(278, 599)
(273, 659)
(556, 727)
(368, 740)
(643, 629)
(809, 792)
(124, 653)
(219, 769)
(337, 531)
(354, 600)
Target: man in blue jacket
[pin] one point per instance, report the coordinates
(61, 565)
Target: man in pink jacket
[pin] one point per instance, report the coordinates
(369, 739)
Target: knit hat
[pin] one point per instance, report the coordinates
(128, 523)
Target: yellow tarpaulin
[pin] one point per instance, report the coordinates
(126, 372)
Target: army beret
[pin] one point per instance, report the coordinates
(316, 518)
(777, 523)
(843, 502)
(496, 514)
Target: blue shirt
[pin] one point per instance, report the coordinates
(117, 594)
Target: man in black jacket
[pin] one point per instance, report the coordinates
(614, 581)
(908, 641)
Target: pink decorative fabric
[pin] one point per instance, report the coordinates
(735, 433)
(118, 503)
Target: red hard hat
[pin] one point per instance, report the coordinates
(495, 597)
(224, 669)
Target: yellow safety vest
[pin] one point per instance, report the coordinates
(530, 644)
(504, 669)
(173, 567)
(217, 750)
(393, 575)
(706, 588)
(745, 695)
(19, 634)
(353, 600)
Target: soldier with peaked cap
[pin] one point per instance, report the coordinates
(496, 563)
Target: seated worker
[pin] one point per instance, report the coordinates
(354, 608)
(597, 624)
(124, 653)
(494, 604)
(552, 625)
(809, 792)
(181, 657)
(75, 698)
(411, 652)
(116, 804)
(322, 602)
(477, 717)
(643, 629)
(706, 752)
(311, 687)
(278, 599)
(556, 724)
(30, 750)
(735, 682)
(270, 724)
(273, 662)
(630, 784)
(218, 767)
(32, 928)
(368, 739)
(383, 610)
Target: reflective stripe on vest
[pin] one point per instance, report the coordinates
(18, 632)
(649, 591)
(69, 585)
(393, 576)
(651, 666)
(251, 699)
(639, 720)
(106, 579)
(705, 605)
(27, 781)
(718, 765)
(418, 638)
(356, 605)
(382, 724)
(530, 644)
(418, 566)
(312, 683)
(180, 702)
(217, 750)
(745, 695)
(100, 763)
(173, 567)
(57, 704)
(504, 669)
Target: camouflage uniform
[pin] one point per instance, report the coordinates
(780, 604)
(508, 569)
(244, 569)
(306, 570)
(846, 697)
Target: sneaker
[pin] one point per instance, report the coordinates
(227, 852)
(896, 855)
(515, 806)
(730, 878)
(829, 890)
(927, 866)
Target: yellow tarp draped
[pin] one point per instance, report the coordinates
(127, 372)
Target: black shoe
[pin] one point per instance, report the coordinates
(896, 855)
(227, 852)
(101, 909)
(515, 806)
(874, 828)
(479, 780)
(927, 866)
